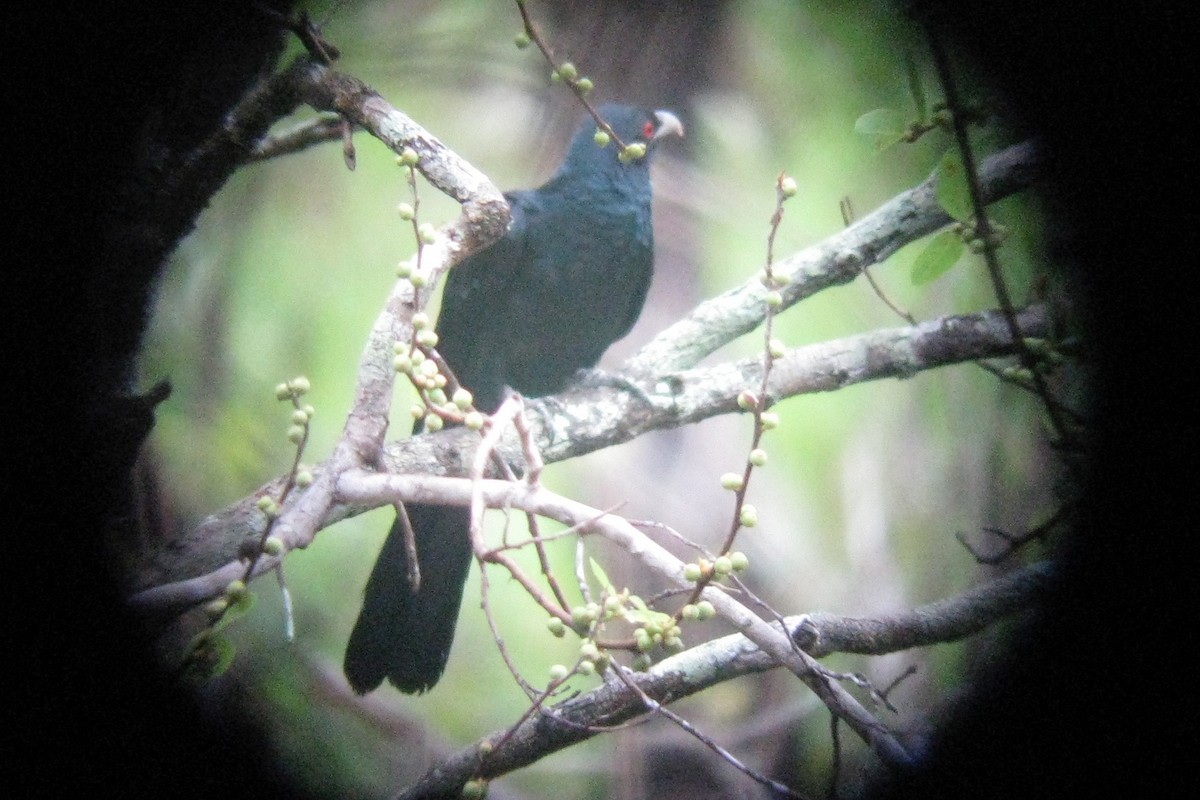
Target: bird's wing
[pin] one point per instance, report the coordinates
(582, 290)
(473, 318)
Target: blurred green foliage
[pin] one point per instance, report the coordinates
(865, 488)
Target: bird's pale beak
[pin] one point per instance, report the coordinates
(668, 123)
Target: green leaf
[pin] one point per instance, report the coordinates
(952, 193)
(210, 661)
(885, 124)
(601, 578)
(943, 252)
(236, 611)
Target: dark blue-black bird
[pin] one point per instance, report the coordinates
(568, 279)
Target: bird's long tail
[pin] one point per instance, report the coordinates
(405, 636)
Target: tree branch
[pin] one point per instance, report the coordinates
(837, 260)
(703, 666)
(586, 419)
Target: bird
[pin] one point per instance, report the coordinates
(567, 279)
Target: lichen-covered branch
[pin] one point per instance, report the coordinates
(729, 657)
(587, 419)
(833, 262)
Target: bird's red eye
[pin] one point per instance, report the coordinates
(648, 130)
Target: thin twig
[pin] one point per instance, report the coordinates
(658, 708)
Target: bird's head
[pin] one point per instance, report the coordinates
(638, 128)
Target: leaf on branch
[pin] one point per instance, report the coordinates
(952, 193)
(885, 124)
(943, 252)
(601, 578)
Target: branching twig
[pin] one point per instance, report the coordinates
(658, 708)
(729, 657)
(983, 228)
(835, 261)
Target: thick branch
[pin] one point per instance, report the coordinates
(484, 212)
(729, 657)
(483, 219)
(584, 420)
(835, 261)
(769, 638)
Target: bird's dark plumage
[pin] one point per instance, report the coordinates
(567, 280)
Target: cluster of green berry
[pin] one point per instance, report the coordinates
(413, 360)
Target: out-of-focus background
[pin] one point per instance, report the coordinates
(865, 488)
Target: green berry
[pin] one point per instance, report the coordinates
(273, 546)
(427, 233)
(282, 391)
(416, 410)
(632, 152)
(747, 400)
(235, 591)
(774, 299)
(559, 672)
(601, 138)
(731, 481)
(787, 186)
(705, 610)
(586, 667)
(427, 337)
(402, 364)
(556, 627)
(568, 72)
(300, 385)
(722, 566)
(474, 789)
(521, 40)
(418, 280)
(406, 211)
(692, 572)
(433, 423)
(748, 516)
(758, 457)
(216, 609)
(776, 348)
(266, 504)
(769, 419)
(463, 398)
(409, 157)
(589, 650)
(304, 478)
(584, 85)
(420, 321)
(473, 421)
(739, 561)
(689, 612)
(580, 617)
(404, 269)
(299, 417)
(295, 434)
